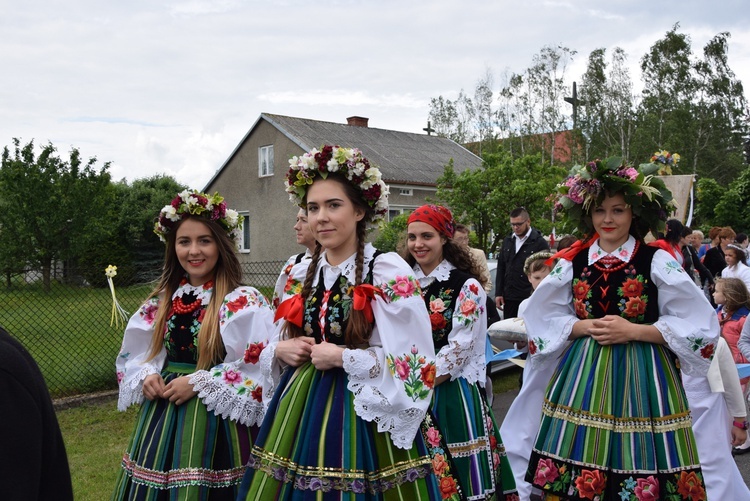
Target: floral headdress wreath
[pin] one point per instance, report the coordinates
(534, 257)
(586, 186)
(192, 202)
(350, 163)
(667, 160)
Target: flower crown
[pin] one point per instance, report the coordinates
(535, 257)
(668, 161)
(350, 163)
(212, 207)
(586, 186)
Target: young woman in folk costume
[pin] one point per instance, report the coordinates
(456, 301)
(348, 419)
(615, 421)
(192, 351)
(304, 237)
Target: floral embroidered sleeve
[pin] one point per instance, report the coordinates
(686, 320)
(392, 380)
(234, 389)
(281, 282)
(550, 315)
(463, 356)
(132, 364)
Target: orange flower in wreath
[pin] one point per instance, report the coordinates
(690, 486)
(632, 287)
(635, 307)
(590, 483)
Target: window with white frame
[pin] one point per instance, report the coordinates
(265, 161)
(406, 192)
(244, 241)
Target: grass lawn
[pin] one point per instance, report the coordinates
(96, 436)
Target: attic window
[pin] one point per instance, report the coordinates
(265, 161)
(407, 192)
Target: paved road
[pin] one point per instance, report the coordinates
(502, 402)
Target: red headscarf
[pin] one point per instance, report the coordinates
(436, 216)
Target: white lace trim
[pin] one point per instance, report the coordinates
(361, 364)
(131, 388)
(267, 361)
(460, 363)
(224, 401)
(371, 405)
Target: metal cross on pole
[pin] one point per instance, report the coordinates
(429, 130)
(575, 102)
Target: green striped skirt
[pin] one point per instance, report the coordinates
(312, 445)
(183, 452)
(616, 425)
(473, 439)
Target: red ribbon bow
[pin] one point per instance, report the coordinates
(363, 294)
(570, 252)
(291, 310)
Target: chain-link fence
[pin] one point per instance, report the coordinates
(67, 325)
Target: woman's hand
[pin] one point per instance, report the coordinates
(153, 387)
(738, 435)
(295, 351)
(326, 356)
(179, 390)
(613, 329)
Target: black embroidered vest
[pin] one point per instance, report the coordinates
(335, 304)
(625, 289)
(447, 291)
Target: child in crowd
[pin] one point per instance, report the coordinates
(522, 420)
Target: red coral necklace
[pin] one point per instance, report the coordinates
(181, 308)
(613, 260)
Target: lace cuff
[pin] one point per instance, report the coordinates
(460, 363)
(226, 400)
(695, 353)
(131, 388)
(361, 365)
(371, 405)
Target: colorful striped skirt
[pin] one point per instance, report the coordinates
(312, 445)
(473, 439)
(183, 452)
(616, 425)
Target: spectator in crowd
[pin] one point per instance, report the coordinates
(33, 463)
(737, 267)
(713, 235)
(714, 258)
(670, 240)
(742, 240)
(512, 285)
(461, 237)
(692, 262)
(304, 237)
(696, 240)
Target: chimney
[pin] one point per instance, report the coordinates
(357, 121)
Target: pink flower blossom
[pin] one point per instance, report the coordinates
(647, 489)
(232, 377)
(437, 306)
(402, 368)
(546, 472)
(403, 286)
(433, 436)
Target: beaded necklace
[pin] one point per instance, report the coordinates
(181, 308)
(608, 264)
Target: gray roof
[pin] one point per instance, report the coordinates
(402, 156)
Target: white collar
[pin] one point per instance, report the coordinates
(441, 273)
(348, 267)
(623, 252)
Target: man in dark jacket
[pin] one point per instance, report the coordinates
(33, 463)
(512, 284)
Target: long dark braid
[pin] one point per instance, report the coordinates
(358, 329)
(291, 330)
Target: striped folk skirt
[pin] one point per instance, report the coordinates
(183, 452)
(312, 445)
(473, 439)
(616, 425)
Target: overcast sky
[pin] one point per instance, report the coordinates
(172, 87)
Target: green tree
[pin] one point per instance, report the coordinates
(391, 234)
(708, 195)
(733, 209)
(53, 204)
(485, 197)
